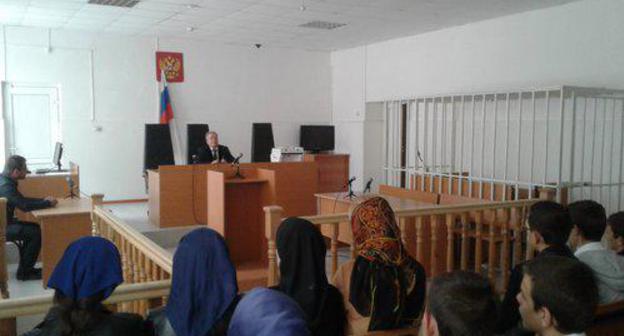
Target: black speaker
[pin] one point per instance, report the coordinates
(195, 138)
(261, 142)
(158, 147)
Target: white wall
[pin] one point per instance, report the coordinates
(576, 44)
(225, 86)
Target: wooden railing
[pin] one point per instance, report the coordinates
(439, 237)
(143, 261)
(40, 304)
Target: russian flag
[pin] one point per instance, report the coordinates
(166, 112)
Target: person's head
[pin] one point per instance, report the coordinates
(590, 221)
(267, 312)
(15, 167)
(549, 225)
(615, 231)
(371, 220)
(460, 303)
(558, 295)
(301, 248)
(203, 283)
(88, 273)
(212, 139)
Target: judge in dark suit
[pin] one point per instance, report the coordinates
(212, 152)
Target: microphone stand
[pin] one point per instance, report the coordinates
(236, 164)
(351, 194)
(70, 185)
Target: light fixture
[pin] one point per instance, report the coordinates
(302, 7)
(192, 6)
(190, 29)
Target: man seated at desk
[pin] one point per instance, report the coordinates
(212, 152)
(28, 234)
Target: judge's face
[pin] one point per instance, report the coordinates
(212, 139)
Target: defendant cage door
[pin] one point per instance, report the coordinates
(566, 139)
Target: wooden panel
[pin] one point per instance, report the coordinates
(333, 172)
(244, 222)
(60, 226)
(416, 195)
(182, 190)
(446, 199)
(153, 200)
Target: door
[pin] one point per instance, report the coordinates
(33, 123)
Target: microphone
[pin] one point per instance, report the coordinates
(351, 180)
(420, 157)
(70, 185)
(368, 185)
(236, 161)
(349, 184)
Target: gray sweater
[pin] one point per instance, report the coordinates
(608, 268)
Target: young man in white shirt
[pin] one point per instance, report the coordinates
(558, 296)
(589, 221)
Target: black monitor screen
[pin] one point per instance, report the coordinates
(317, 138)
(58, 153)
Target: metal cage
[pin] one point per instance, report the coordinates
(569, 139)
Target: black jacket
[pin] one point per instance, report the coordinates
(204, 154)
(113, 324)
(15, 199)
(509, 316)
(162, 327)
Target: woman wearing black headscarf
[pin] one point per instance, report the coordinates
(384, 285)
(302, 250)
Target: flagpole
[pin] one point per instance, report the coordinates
(175, 136)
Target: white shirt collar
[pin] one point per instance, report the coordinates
(593, 246)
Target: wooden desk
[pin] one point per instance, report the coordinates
(60, 226)
(43, 185)
(178, 194)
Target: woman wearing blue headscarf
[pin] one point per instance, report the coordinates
(267, 312)
(204, 291)
(86, 275)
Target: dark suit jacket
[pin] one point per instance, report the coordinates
(204, 154)
(509, 316)
(112, 324)
(15, 199)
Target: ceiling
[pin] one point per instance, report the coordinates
(269, 22)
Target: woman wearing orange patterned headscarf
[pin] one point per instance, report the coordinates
(386, 287)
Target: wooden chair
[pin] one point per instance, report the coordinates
(609, 320)
(7, 326)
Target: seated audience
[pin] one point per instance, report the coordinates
(267, 312)
(302, 250)
(459, 303)
(204, 291)
(549, 227)
(558, 296)
(590, 221)
(86, 275)
(615, 232)
(384, 288)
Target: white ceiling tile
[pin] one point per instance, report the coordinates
(275, 21)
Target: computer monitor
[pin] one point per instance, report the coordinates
(317, 138)
(58, 154)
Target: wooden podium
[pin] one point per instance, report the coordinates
(178, 195)
(235, 206)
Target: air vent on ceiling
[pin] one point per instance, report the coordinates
(322, 25)
(116, 3)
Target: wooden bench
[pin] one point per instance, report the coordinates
(609, 320)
